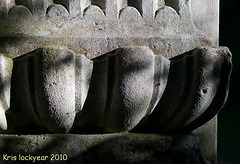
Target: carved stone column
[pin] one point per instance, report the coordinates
(111, 81)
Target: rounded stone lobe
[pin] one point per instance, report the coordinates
(55, 88)
(133, 88)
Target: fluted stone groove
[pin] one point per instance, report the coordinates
(125, 87)
(196, 91)
(161, 73)
(222, 70)
(49, 78)
(6, 65)
(22, 108)
(96, 29)
(114, 85)
(90, 119)
(83, 75)
(133, 87)
(123, 90)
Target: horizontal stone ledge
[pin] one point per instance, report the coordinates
(105, 148)
(93, 46)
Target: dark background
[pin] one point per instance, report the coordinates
(229, 117)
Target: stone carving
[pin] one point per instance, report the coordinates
(55, 83)
(126, 17)
(197, 89)
(100, 66)
(122, 99)
(125, 86)
(120, 91)
(165, 27)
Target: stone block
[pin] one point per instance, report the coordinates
(102, 149)
(205, 15)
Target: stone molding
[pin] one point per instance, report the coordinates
(92, 29)
(123, 90)
(101, 18)
(117, 148)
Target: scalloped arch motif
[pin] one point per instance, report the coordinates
(109, 7)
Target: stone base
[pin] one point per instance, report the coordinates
(108, 148)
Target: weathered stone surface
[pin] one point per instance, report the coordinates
(6, 65)
(57, 14)
(19, 13)
(95, 16)
(167, 46)
(160, 81)
(40, 7)
(125, 90)
(48, 13)
(109, 148)
(125, 87)
(94, 28)
(131, 74)
(197, 89)
(208, 140)
(72, 6)
(83, 75)
(48, 78)
(5, 6)
(205, 14)
(54, 87)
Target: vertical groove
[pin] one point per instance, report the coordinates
(147, 8)
(74, 7)
(39, 7)
(113, 7)
(5, 6)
